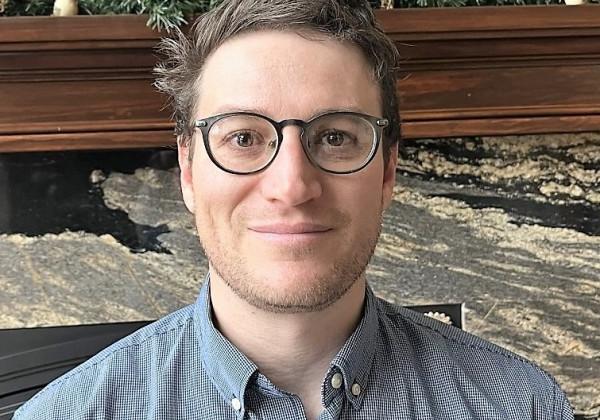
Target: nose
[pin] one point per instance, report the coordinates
(291, 179)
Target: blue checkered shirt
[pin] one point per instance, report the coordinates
(397, 364)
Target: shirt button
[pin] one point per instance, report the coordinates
(336, 380)
(236, 404)
(356, 390)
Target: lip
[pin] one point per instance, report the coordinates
(290, 228)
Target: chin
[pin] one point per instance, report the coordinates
(294, 273)
(292, 287)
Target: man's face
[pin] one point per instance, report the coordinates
(291, 238)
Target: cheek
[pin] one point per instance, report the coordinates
(218, 198)
(360, 197)
(369, 205)
(369, 186)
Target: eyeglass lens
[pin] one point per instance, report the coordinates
(334, 142)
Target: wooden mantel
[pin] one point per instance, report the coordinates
(498, 70)
(82, 82)
(85, 82)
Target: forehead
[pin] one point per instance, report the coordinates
(286, 75)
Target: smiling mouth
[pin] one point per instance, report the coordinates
(291, 229)
(291, 238)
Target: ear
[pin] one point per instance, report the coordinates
(185, 167)
(389, 177)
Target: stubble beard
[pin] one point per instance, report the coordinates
(321, 292)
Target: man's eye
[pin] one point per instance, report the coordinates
(242, 139)
(333, 138)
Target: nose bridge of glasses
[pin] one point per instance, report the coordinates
(292, 122)
(302, 126)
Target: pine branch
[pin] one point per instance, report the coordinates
(27, 8)
(165, 15)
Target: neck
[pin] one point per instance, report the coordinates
(293, 350)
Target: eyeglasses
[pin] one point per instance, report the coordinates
(337, 142)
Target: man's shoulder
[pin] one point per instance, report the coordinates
(427, 333)
(444, 357)
(126, 361)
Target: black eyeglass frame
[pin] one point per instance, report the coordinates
(377, 123)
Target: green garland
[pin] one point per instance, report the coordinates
(25, 8)
(168, 14)
(163, 14)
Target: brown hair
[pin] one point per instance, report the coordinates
(350, 21)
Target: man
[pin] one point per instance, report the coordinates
(287, 121)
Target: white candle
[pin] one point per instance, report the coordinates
(65, 7)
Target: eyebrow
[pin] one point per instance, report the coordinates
(225, 109)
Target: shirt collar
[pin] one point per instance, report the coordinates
(229, 369)
(355, 358)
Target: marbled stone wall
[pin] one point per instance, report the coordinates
(510, 226)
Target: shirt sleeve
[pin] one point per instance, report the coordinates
(563, 410)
